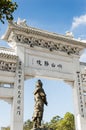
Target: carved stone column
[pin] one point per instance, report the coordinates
(78, 96)
(18, 100)
(17, 105)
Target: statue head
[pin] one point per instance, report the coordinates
(39, 83)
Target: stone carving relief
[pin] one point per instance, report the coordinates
(51, 46)
(21, 22)
(7, 55)
(84, 77)
(7, 66)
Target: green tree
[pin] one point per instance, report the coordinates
(8, 128)
(7, 7)
(28, 125)
(54, 121)
(67, 123)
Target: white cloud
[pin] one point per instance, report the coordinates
(77, 21)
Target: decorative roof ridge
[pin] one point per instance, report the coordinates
(8, 57)
(26, 28)
(8, 51)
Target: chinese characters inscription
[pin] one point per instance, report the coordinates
(79, 84)
(19, 88)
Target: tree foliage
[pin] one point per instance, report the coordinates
(56, 123)
(66, 123)
(28, 125)
(7, 7)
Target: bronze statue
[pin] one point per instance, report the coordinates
(40, 100)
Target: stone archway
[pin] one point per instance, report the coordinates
(40, 53)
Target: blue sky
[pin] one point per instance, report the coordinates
(56, 16)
